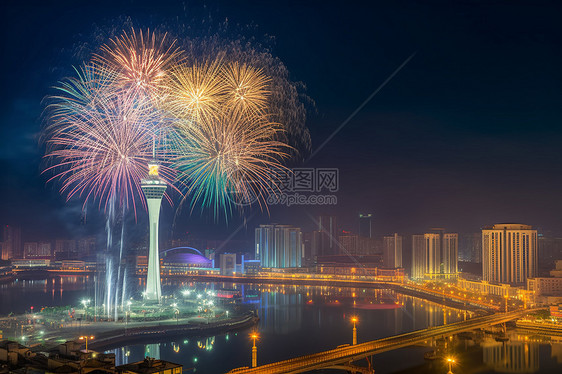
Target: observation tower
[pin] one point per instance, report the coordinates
(153, 188)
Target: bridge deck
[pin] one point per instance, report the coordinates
(356, 352)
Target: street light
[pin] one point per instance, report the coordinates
(85, 337)
(86, 302)
(254, 336)
(450, 361)
(354, 319)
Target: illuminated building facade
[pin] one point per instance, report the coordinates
(509, 253)
(418, 257)
(36, 250)
(442, 253)
(153, 188)
(435, 255)
(392, 251)
(279, 246)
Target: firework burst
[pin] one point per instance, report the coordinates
(100, 139)
(222, 121)
(141, 60)
(228, 159)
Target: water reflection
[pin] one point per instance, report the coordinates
(298, 320)
(511, 357)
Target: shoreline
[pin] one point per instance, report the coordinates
(120, 337)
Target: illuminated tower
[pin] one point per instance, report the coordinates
(153, 188)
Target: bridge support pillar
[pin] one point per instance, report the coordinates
(254, 356)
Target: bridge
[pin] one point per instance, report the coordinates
(343, 357)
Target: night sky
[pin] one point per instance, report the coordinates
(466, 134)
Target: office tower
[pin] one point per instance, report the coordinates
(349, 244)
(11, 242)
(441, 253)
(153, 188)
(86, 246)
(392, 251)
(279, 246)
(310, 245)
(36, 250)
(436, 255)
(418, 257)
(328, 228)
(29, 249)
(509, 253)
(65, 249)
(366, 225)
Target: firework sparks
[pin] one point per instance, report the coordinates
(228, 159)
(223, 117)
(140, 60)
(100, 140)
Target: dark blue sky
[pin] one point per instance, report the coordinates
(467, 133)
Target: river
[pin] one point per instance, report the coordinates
(299, 320)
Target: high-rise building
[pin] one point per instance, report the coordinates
(418, 257)
(328, 243)
(436, 255)
(86, 246)
(441, 253)
(509, 253)
(279, 246)
(11, 242)
(366, 225)
(65, 249)
(153, 188)
(392, 251)
(470, 247)
(29, 249)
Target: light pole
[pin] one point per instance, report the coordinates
(506, 297)
(450, 361)
(86, 302)
(354, 320)
(85, 337)
(254, 336)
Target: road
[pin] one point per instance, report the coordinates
(347, 354)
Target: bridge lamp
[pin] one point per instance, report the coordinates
(450, 361)
(354, 319)
(254, 336)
